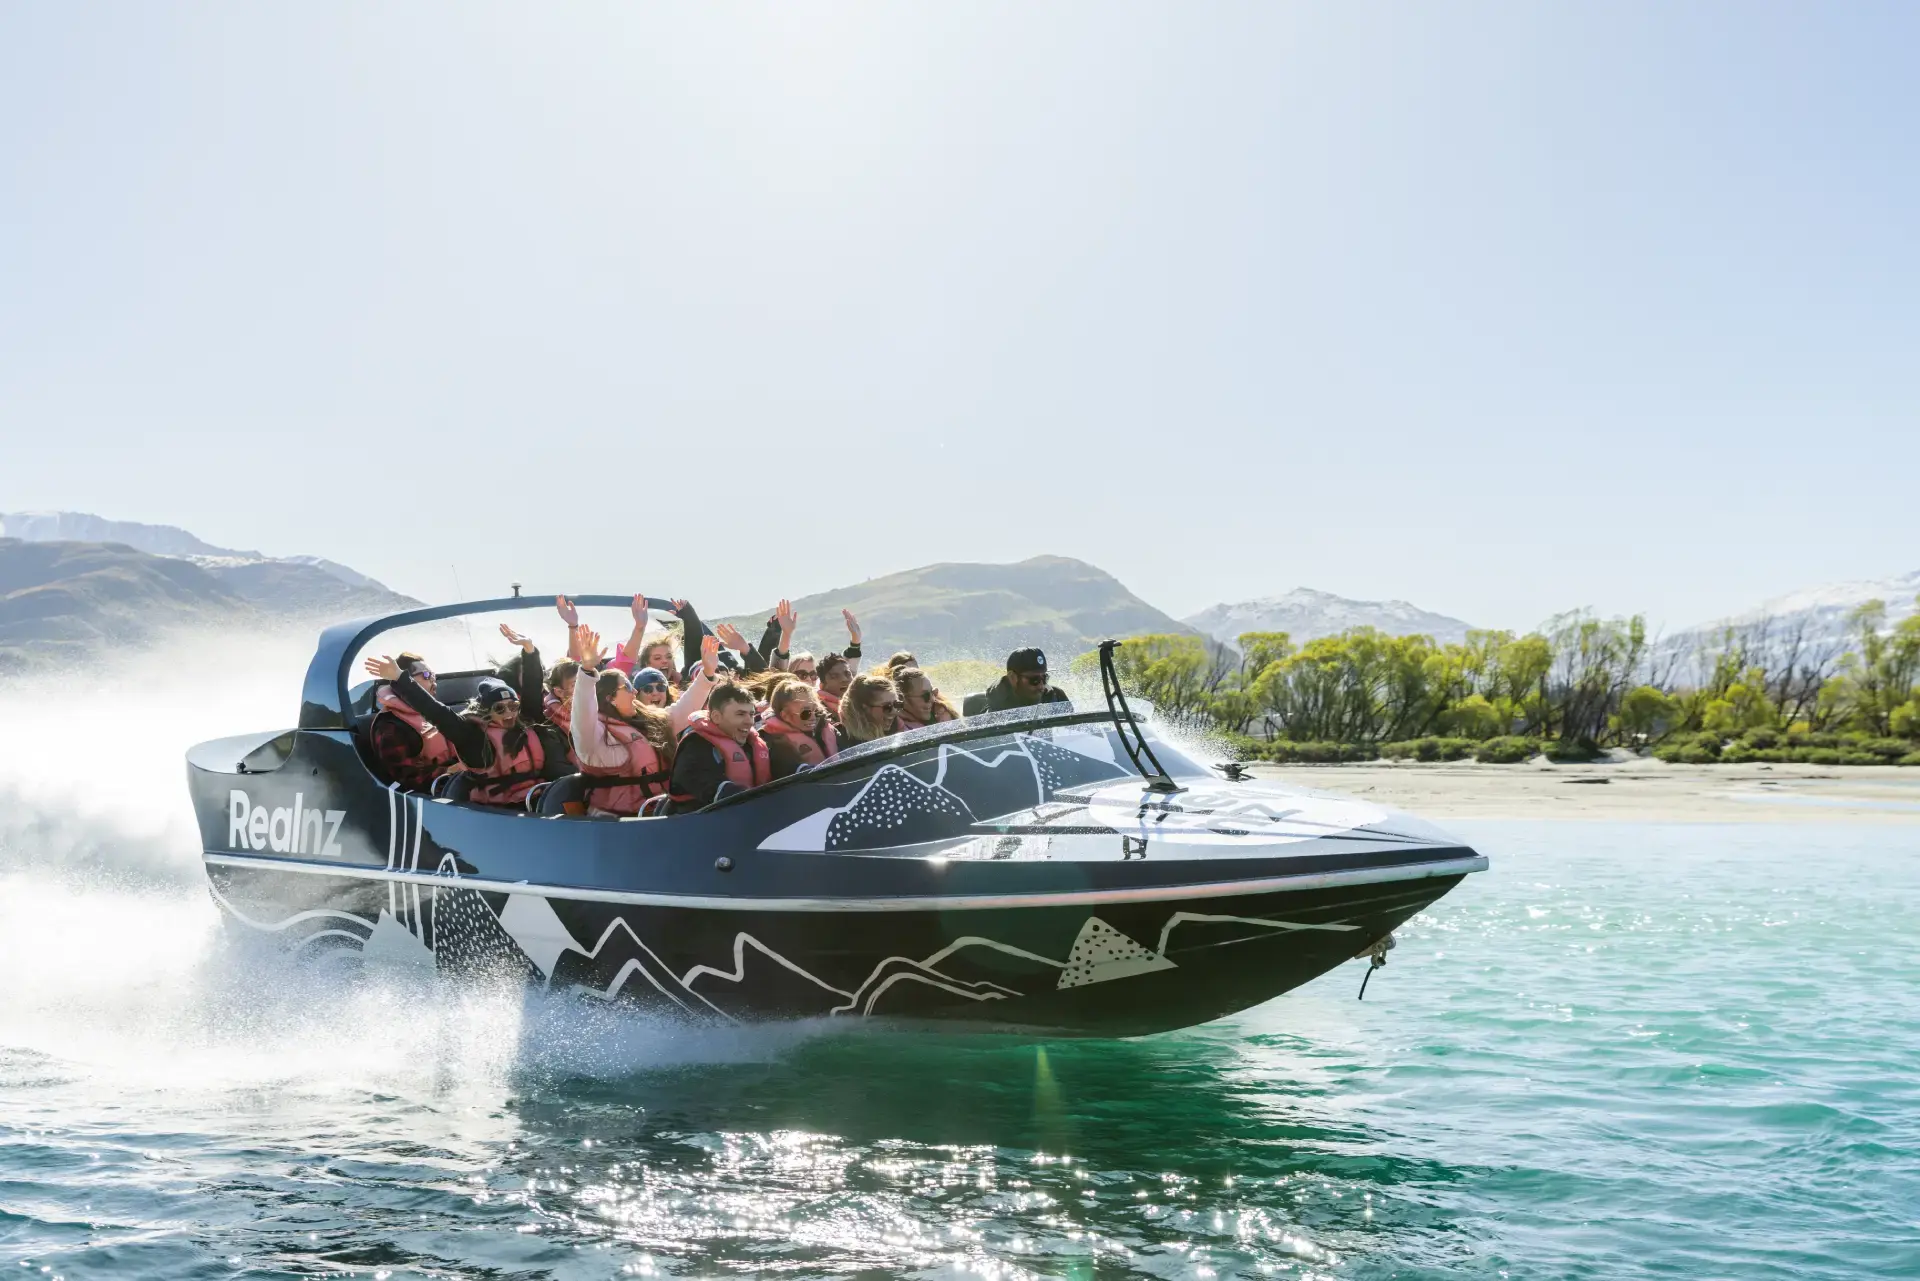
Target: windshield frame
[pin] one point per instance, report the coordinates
(999, 724)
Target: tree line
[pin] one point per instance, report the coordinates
(1770, 690)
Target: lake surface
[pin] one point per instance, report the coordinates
(1628, 1050)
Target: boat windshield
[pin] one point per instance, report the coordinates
(1021, 720)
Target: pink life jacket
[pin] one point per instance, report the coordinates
(435, 753)
(512, 774)
(622, 788)
(747, 764)
(810, 749)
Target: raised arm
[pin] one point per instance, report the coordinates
(852, 653)
(638, 636)
(690, 633)
(468, 739)
(589, 734)
(694, 696)
(526, 676)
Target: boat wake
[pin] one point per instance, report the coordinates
(114, 961)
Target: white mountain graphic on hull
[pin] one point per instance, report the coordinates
(899, 806)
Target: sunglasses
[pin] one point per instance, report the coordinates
(1035, 679)
(651, 687)
(804, 713)
(806, 673)
(929, 693)
(891, 705)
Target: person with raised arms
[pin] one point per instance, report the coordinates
(720, 746)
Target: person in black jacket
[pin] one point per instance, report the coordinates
(1024, 685)
(719, 746)
(497, 711)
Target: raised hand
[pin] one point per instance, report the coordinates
(731, 635)
(592, 655)
(710, 656)
(383, 668)
(640, 609)
(788, 620)
(515, 638)
(568, 614)
(679, 606)
(853, 626)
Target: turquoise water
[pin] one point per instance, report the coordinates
(1627, 1051)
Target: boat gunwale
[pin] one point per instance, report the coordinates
(1456, 866)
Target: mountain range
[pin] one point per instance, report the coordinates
(976, 611)
(1305, 614)
(72, 583)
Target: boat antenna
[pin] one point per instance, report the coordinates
(465, 626)
(1132, 738)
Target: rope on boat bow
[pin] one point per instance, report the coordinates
(1131, 736)
(1378, 953)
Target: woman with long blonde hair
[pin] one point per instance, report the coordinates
(869, 709)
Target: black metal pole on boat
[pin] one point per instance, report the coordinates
(1131, 736)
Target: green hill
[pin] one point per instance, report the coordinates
(66, 601)
(953, 611)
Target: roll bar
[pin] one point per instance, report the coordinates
(324, 699)
(1131, 738)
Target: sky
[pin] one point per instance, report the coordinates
(1503, 309)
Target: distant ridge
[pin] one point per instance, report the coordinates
(958, 610)
(1823, 610)
(287, 583)
(1305, 614)
(73, 585)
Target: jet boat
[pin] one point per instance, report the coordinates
(1057, 870)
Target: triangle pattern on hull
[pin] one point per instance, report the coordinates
(1101, 954)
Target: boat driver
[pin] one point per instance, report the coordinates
(1024, 685)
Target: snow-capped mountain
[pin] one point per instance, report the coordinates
(1825, 607)
(276, 581)
(1306, 614)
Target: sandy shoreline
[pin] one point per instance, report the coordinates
(1639, 790)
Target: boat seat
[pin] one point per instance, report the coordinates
(562, 798)
(655, 805)
(727, 788)
(453, 787)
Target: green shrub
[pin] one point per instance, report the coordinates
(1760, 739)
(1854, 756)
(1741, 754)
(1318, 753)
(1690, 749)
(1816, 755)
(1885, 751)
(1428, 749)
(1911, 758)
(1583, 749)
(1508, 749)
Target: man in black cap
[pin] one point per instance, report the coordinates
(1024, 685)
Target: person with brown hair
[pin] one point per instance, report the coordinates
(624, 747)
(410, 750)
(505, 753)
(869, 709)
(796, 729)
(920, 703)
(720, 746)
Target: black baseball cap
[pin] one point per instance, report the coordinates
(1025, 661)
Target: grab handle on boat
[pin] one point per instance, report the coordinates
(1132, 738)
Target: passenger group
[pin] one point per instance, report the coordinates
(647, 732)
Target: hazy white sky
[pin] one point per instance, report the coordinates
(1500, 308)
